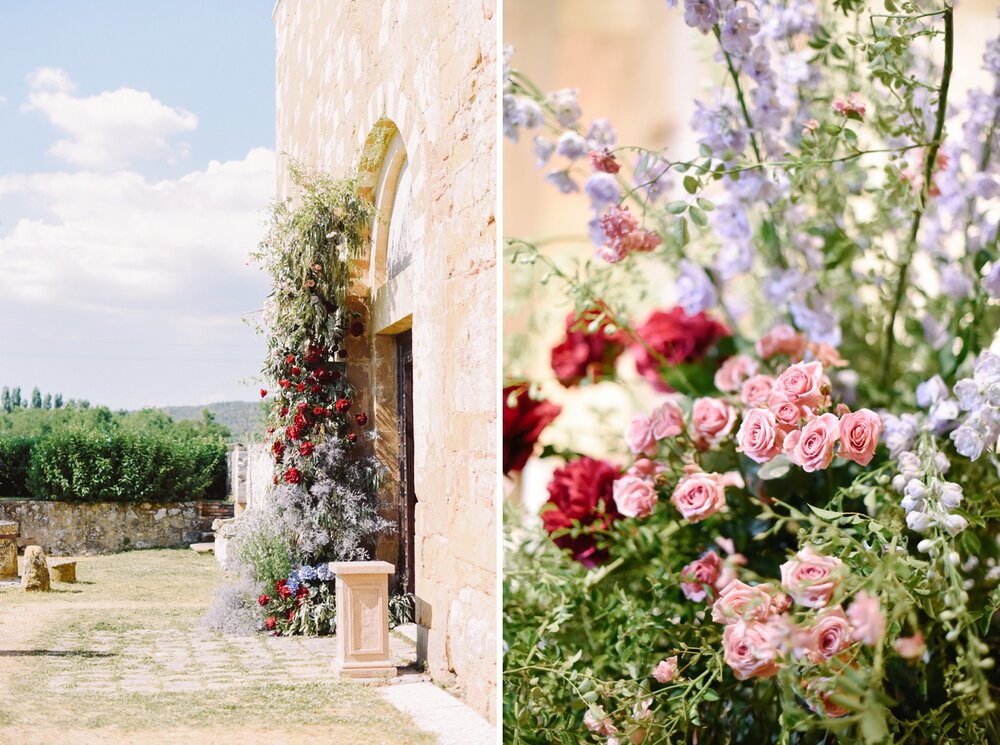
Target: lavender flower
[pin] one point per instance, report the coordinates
(566, 107)
(572, 146)
(701, 14)
(603, 190)
(695, 291)
(601, 135)
(543, 149)
(562, 181)
(738, 30)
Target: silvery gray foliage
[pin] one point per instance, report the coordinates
(337, 518)
(234, 608)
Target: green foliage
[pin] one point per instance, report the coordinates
(93, 454)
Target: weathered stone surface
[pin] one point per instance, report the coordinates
(360, 87)
(84, 528)
(8, 550)
(36, 570)
(62, 571)
(363, 619)
(203, 548)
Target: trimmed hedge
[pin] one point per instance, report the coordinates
(87, 466)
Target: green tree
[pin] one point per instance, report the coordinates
(5, 401)
(15, 398)
(58, 403)
(36, 398)
(47, 401)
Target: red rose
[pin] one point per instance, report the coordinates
(263, 392)
(352, 438)
(282, 587)
(270, 623)
(300, 421)
(302, 406)
(300, 387)
(316, 388)
(585, 354)
(302, 592)
(522, 424)
(264, 600)
(677, 337)
(581, 491)
(290, 359)
(318, 411)
(604, 161)
(290, 615)
(361, 419)
(292, 433)
(284, 383)
(296, 370)
(270, 430)
(278, 447)
(306, 448)
(284, 411)
(342, 405)
(292, 476)
(313, 355)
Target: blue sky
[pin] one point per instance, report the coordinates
(135, 169)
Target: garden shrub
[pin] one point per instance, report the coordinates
(94, 466)
(15, 458)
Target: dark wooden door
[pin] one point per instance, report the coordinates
(407, 496)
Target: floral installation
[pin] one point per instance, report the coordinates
(794, 537)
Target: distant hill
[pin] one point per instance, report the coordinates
(245, 419)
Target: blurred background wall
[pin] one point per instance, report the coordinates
(637, 64)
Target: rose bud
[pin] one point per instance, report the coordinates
(352, 437)
(300, 387)
(290, 359)
(361, 419)
(263, 392)
(318, 411)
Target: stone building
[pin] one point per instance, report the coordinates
(404, 93)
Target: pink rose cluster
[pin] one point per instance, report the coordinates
(760, 632)
(786, 415)
(624, 236)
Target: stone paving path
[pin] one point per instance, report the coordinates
(142, 661)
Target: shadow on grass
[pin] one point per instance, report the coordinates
(85, 653)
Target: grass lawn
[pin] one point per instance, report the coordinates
(64, 656)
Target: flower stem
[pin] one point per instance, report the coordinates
(930, 158)
(739, 94)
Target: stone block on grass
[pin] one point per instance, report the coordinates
(36, 571)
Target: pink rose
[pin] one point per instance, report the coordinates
(827, 355)
(782, 339)
(666, 670)
(757, 390)
(634, 497)
(711, 420)
(859, 433)
(644, 468)
(731, 374)
(749, 649)
(741, 602)
(599, 723)
(818, 698)
(804, 384)
(867, 621)
(758, 437)
(910, 647)
(707, 572)
(639, 435)
(667, 421)
(787, 414)
(812, 446)
(829, 636)
(811, 578)
(699, 495)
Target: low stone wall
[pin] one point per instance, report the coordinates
(81, 528)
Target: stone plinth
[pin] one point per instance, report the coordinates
(63, 571)
(363, 619)
(36, 570)
(8, 550)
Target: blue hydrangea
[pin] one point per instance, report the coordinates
(324, 573)
(293, 582)
(306, 573)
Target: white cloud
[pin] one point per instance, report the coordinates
(110, 130)
(117, 243)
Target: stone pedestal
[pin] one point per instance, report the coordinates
(8, 550)
(62, 570)
(36, 570)
(363, 619)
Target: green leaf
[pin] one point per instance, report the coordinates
(691, 184)
(677, 208)
(775, 468)
(873, 725)
(825, 514)
(698, 217)
(681, 232)
(705, 204)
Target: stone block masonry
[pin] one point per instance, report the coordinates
(82, 528)
(427, 70)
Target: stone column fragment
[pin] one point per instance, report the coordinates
(363, 619)
(36, 570)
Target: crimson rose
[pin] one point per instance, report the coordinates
(584, 354)
(522, 424)
(676, 337)
(581, 492)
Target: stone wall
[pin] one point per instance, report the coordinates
(83, 528)
(371, 87)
